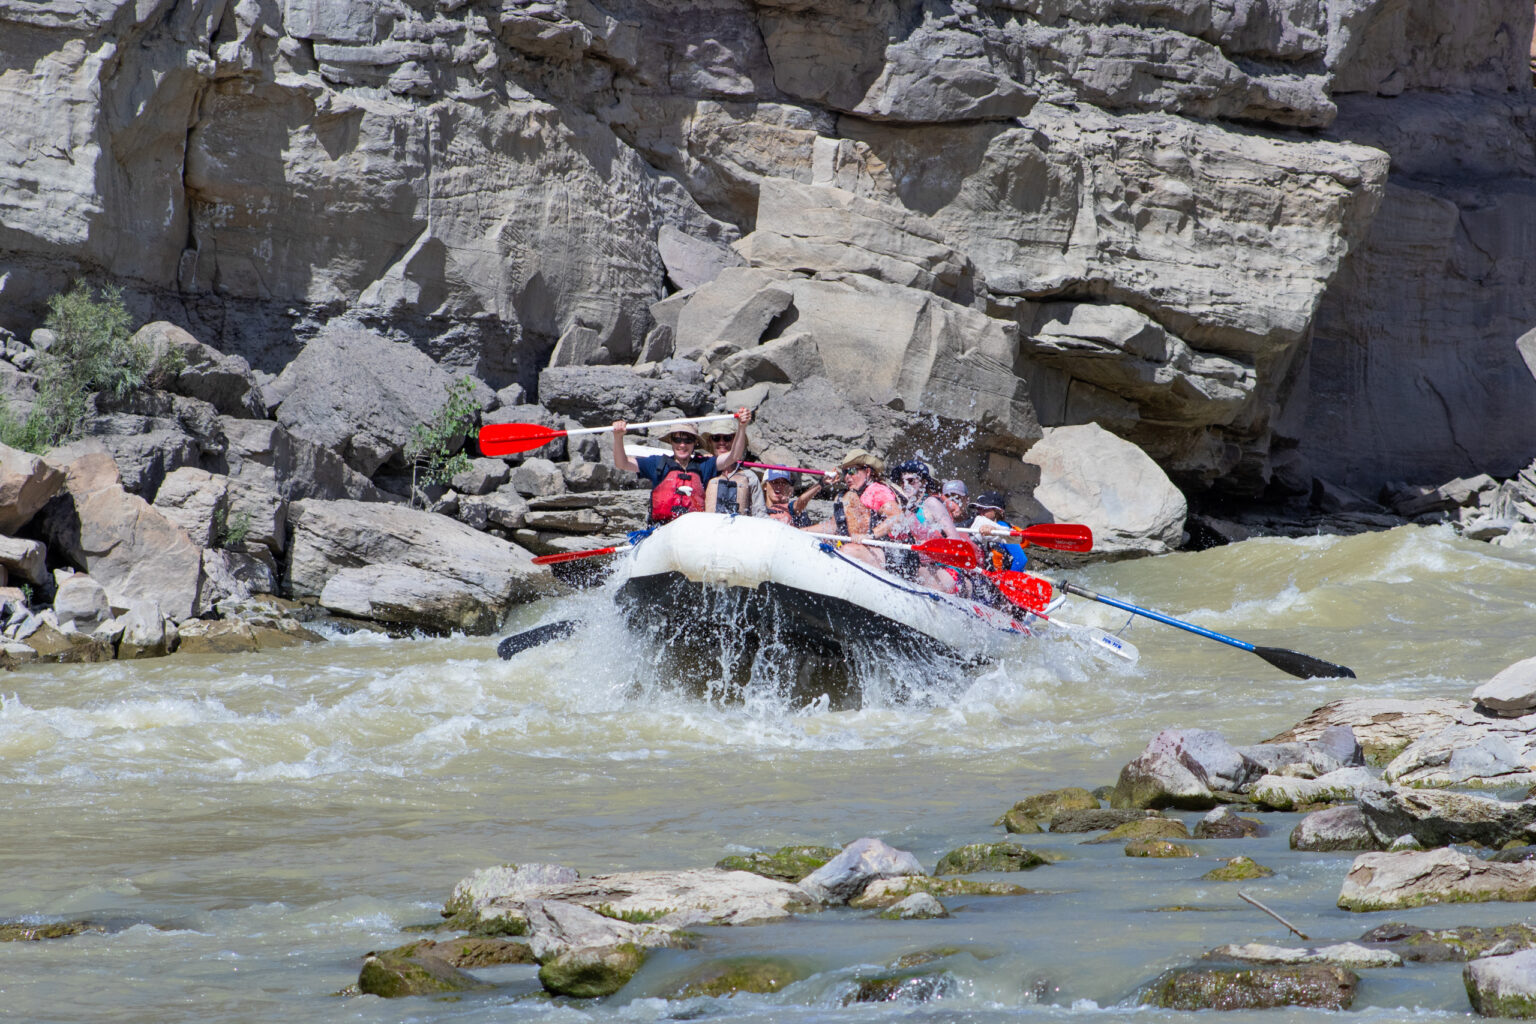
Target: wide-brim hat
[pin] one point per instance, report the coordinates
(989, 499)
(860, 457)
(680, 428)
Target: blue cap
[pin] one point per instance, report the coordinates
(779, 474)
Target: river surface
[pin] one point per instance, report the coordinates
(244, 828)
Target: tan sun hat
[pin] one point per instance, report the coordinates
(680, 428)
(860, 457)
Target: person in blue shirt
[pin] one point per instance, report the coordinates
(989, 506)
(678, 480)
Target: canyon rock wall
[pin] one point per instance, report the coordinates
(1260, 238)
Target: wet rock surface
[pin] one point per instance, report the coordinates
(1320, 986)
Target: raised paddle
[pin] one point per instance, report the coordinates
(1302, 666)
(1060, 536)
(510, 438)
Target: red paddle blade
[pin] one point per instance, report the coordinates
(1024, 590)
(511, 438)
(571, 556)
(1061, 536)
(959, 553)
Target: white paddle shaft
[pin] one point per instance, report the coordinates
(653, 423)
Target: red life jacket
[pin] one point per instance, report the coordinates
(679, 490)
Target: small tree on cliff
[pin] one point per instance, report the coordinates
(436, 448)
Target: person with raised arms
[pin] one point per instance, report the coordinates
(677, 480)
(734, 491)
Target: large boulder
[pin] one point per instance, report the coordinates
(1090, 476)
(672, 899)
(197, 501)
(860, 862)
(596, 395)
(1492, 752)
(1413, 878)
(133, 551)
(412, 597)
(361, 395)
(25, 559)
(224, 381)
(329, 536)
(1334, 828)
(1511, 693)
(26, 484)
(1183, 768)
(1441, 817)
(1287, 793)
(1319, 985)
(1503, 986)
(1384, 726)
(265, 455)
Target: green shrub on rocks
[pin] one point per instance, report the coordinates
(436, 449)
(786, 864)
(743, 974)
(1321, 986)
(968, 860)
(1238, 869)
(591, 973)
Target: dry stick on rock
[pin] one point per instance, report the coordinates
(1271, 913)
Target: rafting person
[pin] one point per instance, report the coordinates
(783, 504)
(989, 515)
(735, 491)
(864, 504)
(677, 480)
(923, 517)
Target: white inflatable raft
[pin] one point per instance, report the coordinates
(706, 576)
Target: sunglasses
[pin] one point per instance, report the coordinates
(850, 470)
(722, 438)
(682, 439)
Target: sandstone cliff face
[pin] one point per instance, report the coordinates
(1122, 211)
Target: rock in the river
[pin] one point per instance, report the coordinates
(1157, 848)
(1281, 793)
(147, 633)
(409, 596)
(1440, 817)
(887, 892)
(1349, 955)
(554, 928)
(1494, 752)
(415, 969)
(1384, 726)
(978, 857)
(1183, 768)
(1511, 693)
(1334, 828)
(1092, 820)
(1144, 828)
(787, 863)
(742, 974)
(860, 862)
(591, 973)
(1440, 945)
(1392, 881)
(1503, 986)
(80, 602)
(919, 906)
(488, 884)
(1321, 986)
(1224, 823)
(922, 987)
(675, 899)
(1042, 808)
(1090, 476)
(1237, 869)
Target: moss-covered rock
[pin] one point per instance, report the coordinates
(743, 974)
(907, 988)
(1238, 869)
(920, 906)
(786, 864)
(413, 970)
(887, 892)
(1016, 822)
(1222, 823)
(1043, 807)
(1098, 820)
(19, 931)
(591, 973)
(1453, 945)
(1503, 986)
(1321, 986)
(472, 951)
(1144, 828)
(1156, 848)
(968, 860)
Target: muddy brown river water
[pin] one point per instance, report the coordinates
(243, 829)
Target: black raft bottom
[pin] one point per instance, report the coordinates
(724, 641)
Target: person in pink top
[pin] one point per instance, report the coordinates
(863, 506)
